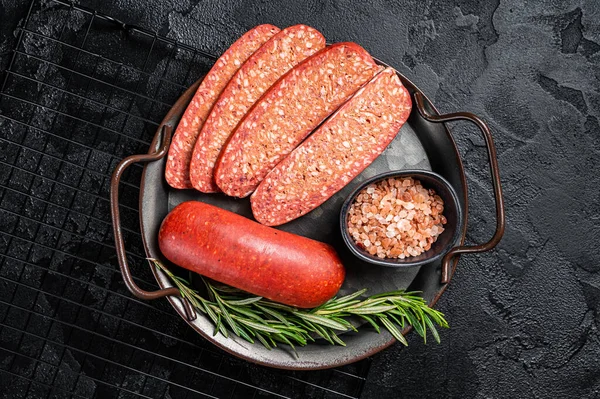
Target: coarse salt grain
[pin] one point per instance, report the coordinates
(400, 216)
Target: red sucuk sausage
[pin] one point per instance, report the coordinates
(239, 252)
(177, 172)
(288, 112)
(273, 59)
(334, 154)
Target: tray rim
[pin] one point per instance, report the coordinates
(176, 302)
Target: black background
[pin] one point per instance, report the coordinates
(524, 318)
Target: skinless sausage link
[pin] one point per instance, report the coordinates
(273, 59)
(177, 172)
(291, 109)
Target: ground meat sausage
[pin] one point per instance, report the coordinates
(273, 59)
(237, 251)
(288, 112)
(340, 149)
(177, 172)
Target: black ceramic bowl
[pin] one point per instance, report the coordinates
(445, 241)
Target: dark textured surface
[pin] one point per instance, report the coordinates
(524, 319)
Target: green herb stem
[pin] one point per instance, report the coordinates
(249, 317)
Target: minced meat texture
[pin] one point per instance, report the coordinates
(177, 171)
(288, 112)
(272, 60)
(336, 153)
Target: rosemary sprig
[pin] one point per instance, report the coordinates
(255, 318)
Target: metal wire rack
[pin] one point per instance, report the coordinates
(81, 92)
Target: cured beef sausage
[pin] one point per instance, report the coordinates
(340, 149)
(273, 59)
(177, 172)
(229, 248)
(288, 112)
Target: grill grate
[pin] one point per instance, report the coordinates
(81, 92)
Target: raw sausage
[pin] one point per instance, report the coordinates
(334, 154)
(177, 172)
(236, 251)
(278, 55)
(288, 112)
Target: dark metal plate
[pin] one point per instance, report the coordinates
(419, 145)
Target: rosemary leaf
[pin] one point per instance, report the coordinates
(344, 322)
(273, 313)
(395, 319)
(322, 332)
(242, 302)
(283, 338)
(348, 298)
(433, 330)
(393, 330)
(371, 322)
(368, 302)
(263, 340)
(300, 338)
(321, 320)
(372, 309)
(246, 335)
(217, 325)
(246, 312)
(258, 326)
(337, 339)
(336, 307)
(232, 324)
(413, 321)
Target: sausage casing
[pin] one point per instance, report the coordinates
(237, 251)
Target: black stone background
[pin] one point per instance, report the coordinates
(524, 318)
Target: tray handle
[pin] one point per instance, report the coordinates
(493, 160)
(159, 153)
